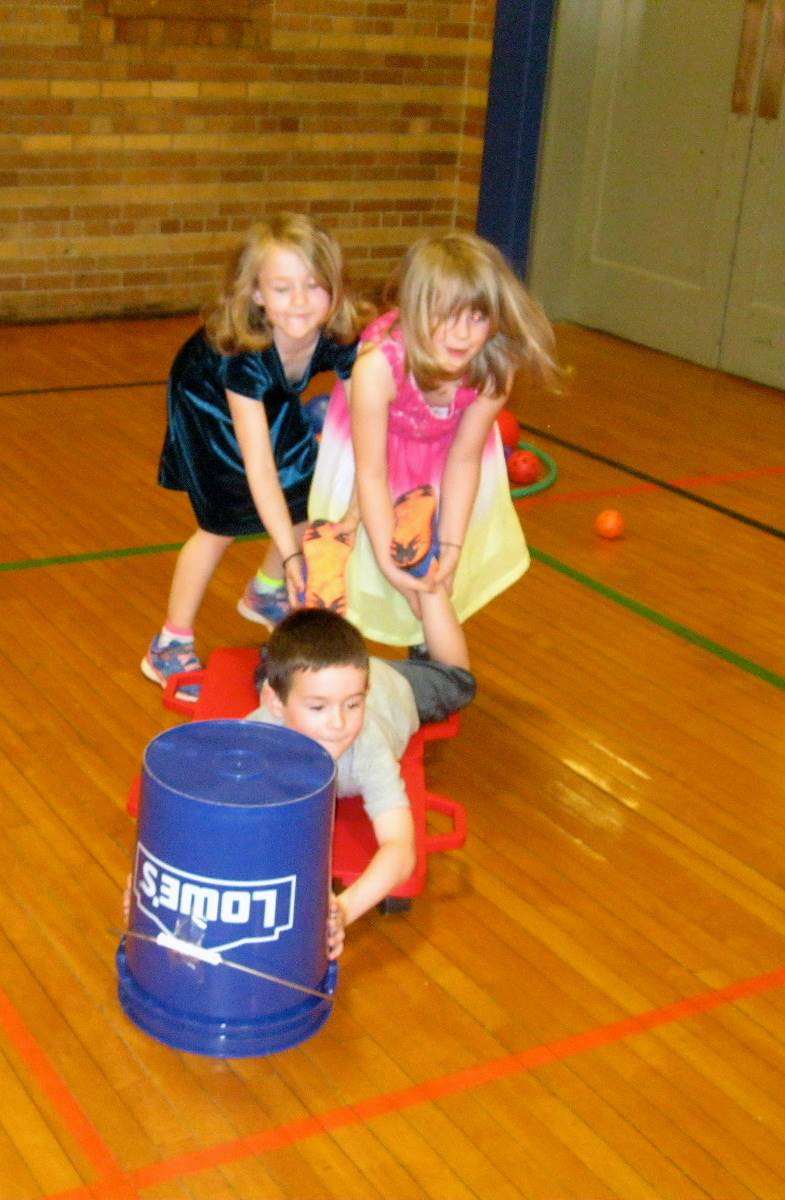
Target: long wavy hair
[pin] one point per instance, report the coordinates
(442, 275)
(236, 323)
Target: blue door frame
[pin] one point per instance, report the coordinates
(516, 98)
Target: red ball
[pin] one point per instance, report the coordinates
(609, 523)
(523, 467)
(509, 427)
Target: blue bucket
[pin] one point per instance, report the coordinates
(232, 865)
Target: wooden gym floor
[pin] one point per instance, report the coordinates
(588, 1001)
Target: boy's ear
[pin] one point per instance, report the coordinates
(270, 699)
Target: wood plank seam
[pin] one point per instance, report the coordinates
(115, 1184)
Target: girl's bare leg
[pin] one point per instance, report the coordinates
(443, 632)
(196, 564)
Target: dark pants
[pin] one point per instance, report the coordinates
(439, 690)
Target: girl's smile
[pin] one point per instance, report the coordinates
(458, 339)
(295, 301)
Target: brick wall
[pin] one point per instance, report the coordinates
(138, 137)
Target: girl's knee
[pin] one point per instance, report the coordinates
(215, 539)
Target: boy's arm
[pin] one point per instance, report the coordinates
(392, 863)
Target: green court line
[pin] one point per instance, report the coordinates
(60, 560)
(650, 614)
(641, 610)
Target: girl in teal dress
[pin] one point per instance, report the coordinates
(411, 450)
(238, 440)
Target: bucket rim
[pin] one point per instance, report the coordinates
(181, 788)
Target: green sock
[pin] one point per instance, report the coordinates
(265, 584)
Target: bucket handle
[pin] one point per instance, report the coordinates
(190, 950)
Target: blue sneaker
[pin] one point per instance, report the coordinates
(162, 661)
(268, 607)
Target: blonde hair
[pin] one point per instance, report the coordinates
(236, 323)
(442, 276)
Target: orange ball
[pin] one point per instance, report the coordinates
(609, 523)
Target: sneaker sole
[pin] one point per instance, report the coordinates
(413, 528)
(327, 546)
(150, 673)
(250, 615)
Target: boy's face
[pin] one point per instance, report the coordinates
(326, 705)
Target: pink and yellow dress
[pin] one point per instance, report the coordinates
(419, 438)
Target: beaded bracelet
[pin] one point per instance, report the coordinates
(452, 545)
(289, 557)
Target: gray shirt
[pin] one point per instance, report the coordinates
(370, 767)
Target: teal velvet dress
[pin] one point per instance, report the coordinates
(201, 454)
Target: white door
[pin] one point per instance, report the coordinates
(660, 203)
(753, 342)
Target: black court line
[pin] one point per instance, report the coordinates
(685, 493)
(84, 387)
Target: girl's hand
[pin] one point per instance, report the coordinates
(410, 586)
(449, 557)
(294, 578)
(336, 928)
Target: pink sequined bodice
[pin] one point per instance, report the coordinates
(410, 417)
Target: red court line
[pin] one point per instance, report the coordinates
(436, 1089)
(59, 1094)
(635, 489)
(121, 1188)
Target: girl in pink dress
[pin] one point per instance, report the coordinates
(411, 449)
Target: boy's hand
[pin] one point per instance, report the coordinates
(336, 922)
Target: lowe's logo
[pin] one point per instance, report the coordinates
(255, 910)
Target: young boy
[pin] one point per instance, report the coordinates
(317, 678)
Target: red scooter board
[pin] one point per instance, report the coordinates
(228, 690)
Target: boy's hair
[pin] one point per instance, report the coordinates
(236, 323)
(309, 639)
(442, 275)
